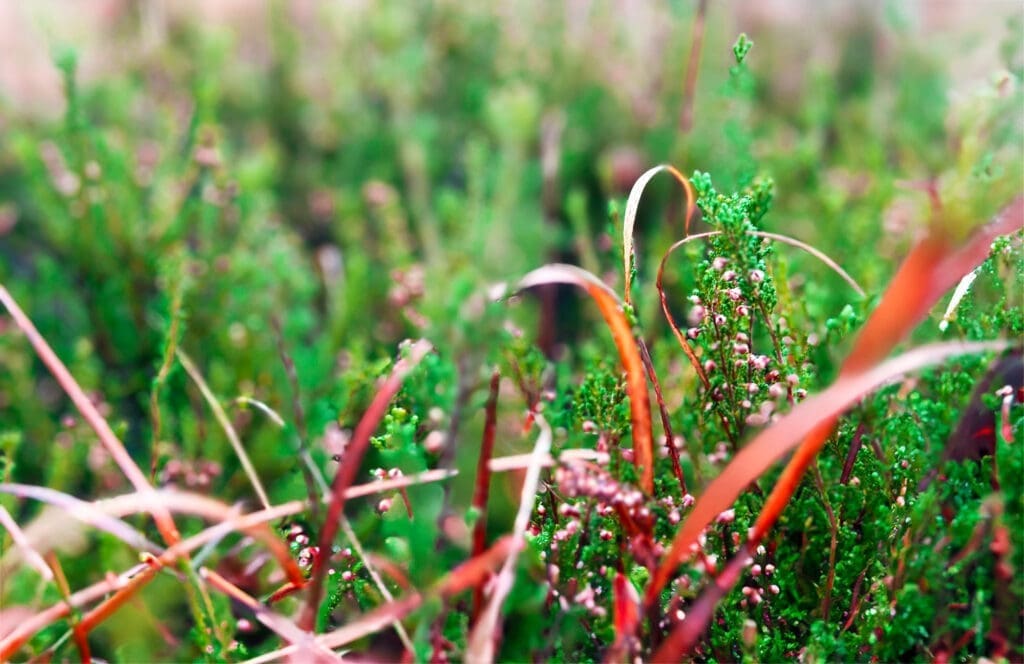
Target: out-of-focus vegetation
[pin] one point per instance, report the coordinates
(285, 197)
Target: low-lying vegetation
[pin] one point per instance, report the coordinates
(427, 364)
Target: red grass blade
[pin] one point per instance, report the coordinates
(933, 266)
(483, 481)
(350, 466)
(629, 354)
(773, 443)
(626, 614)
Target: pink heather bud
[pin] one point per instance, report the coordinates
(746, 403)
(747, 591)
(347, 575)
(800, 393)
(695, 299)
(761, 550)
(728, 275)
(772, 376)
(720, 320)
(756, 419)
(384, 505)
(769, 569)
(812, 339)
(719, 263)
(854, 481)
(755, 570)
(759, 362)
(743, 311)
(742, 349)
(693, 332)
(728, 516)
(774, 589)
(776, 390)
(688, 500)
(434, 442)
(741, 336)
(697, 315)
(787, 340)
(753, 388)
(734, 294)
(793, 379)
(607, 535)
(709, 366)
(756, 276)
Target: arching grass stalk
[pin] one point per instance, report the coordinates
(629, 354)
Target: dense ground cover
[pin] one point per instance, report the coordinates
(230, 236)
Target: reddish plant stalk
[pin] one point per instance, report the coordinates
(666, 423)
(347, 473)
(483, 482)
(112, 604)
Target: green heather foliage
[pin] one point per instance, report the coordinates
(288, 216)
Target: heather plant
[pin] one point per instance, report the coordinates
(342, 303)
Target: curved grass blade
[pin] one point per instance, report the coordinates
(629, 218)
(773, 443)
(629, 354)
